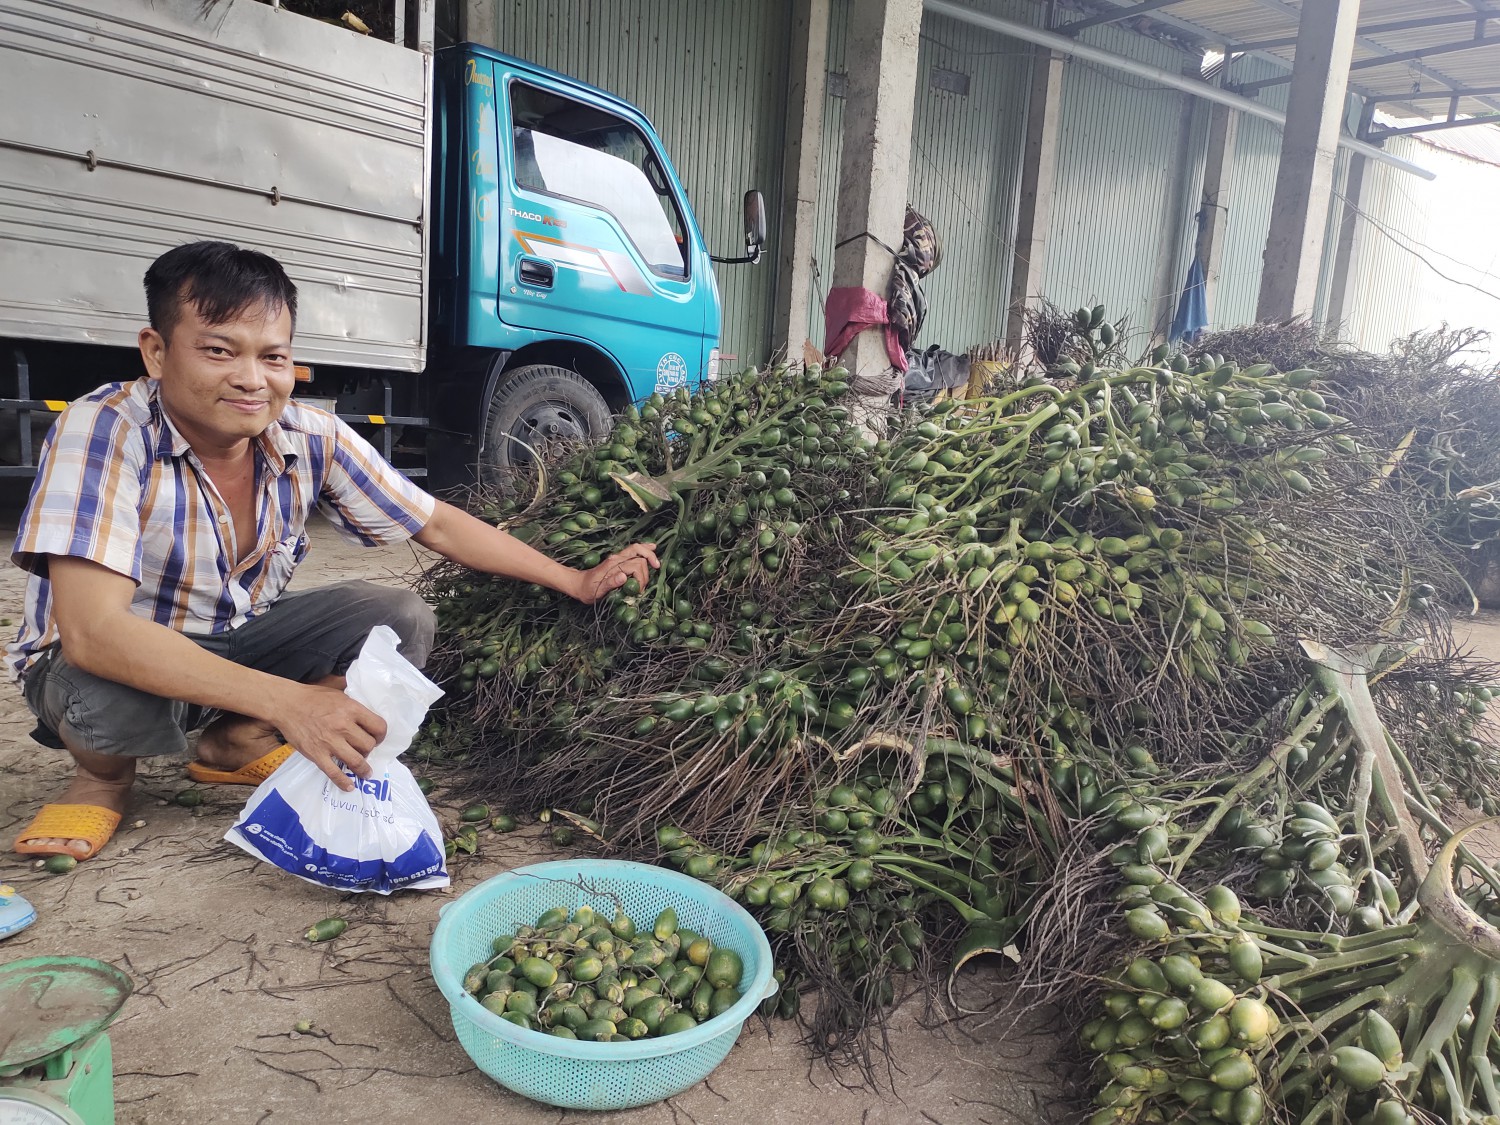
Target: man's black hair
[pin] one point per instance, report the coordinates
(220, 279)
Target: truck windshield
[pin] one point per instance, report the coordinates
(565, 148)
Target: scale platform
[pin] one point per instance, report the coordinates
(56, 1066)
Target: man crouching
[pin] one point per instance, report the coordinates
(166, 520)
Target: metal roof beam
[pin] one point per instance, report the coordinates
(1199, 32)
(1428, 52)
(1192, 31)
(1433, 126)
(1386, 60)
(1028, 33)
(1295, 15)
(1437, 95)
(1118, 14)
(1476, 17)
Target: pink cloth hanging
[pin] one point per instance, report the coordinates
(850, 310)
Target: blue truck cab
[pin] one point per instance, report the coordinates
(492, 257)
(569, 276)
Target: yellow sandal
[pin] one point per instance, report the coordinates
(91, 823)
(252, 773)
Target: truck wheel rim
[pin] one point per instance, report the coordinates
(546, 425)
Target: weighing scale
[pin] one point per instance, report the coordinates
(55, 1061)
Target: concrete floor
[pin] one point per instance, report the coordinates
(213, 941)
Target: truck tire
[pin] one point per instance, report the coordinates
(534, 407)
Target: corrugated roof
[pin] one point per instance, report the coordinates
(1458, 41)
(1479, 143)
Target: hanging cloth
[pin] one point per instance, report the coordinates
(850, 310)
(920, 254)
(1192, 307)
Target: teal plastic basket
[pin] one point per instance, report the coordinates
(572, 1073)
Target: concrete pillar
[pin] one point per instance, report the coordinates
(1038, 184)
(1213, 219)
(807, 88)
(875, 169)
(1304, 179)
(1340, 287)
(480, 19)
(421, 37)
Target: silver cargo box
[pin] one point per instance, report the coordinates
(131, 126)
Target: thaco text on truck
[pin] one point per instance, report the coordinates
(490, 255)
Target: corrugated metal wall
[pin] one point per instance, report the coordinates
(1386, 276)
(965, 168)
(965, 164)
(1180, 254)
(1421, 257)
(711, 76)
(1341, 166)
(1118, 169)
(1252, 191)
(1129, 180)
(1252, 184)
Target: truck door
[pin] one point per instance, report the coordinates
(595, 240)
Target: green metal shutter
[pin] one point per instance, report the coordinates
(966, 153)
(1252, 186)
(828, 168)
(1117, 164)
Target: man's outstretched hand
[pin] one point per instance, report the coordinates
(636, 561)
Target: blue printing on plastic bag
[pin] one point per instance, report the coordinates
(275, 831)
(381, 835)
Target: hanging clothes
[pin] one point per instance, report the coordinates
(920, 254)
(849, 311)
(1192, 308)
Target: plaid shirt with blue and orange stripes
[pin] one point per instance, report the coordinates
(118, 485)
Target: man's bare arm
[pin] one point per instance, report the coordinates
(456, 535)
(91, 605)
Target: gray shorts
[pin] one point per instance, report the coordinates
(304, 637)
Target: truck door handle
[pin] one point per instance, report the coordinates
(535, 272)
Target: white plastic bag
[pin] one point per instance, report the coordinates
(383, 836)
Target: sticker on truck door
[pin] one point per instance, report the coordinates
(671, 372)
(586, 259)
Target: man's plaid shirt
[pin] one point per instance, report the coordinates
(118, 485)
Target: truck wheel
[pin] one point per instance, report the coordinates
(535, 407)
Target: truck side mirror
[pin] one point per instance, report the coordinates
(755, 221)
(755, 231)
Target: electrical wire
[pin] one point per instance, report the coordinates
(994, 231)
(1004, 53)
(1397, 239)
(1415, 205)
